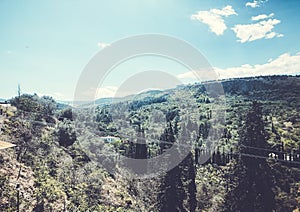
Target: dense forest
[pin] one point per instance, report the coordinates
(62, 152)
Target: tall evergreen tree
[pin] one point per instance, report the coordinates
(253, 137)
(141, 146)
(167, 139)
(190, 175)
(253, 186)
(172, 193)
(178, 188)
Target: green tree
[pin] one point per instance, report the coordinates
(172, 193)
(66, 133)
(253, 185)
(48, 105)
(178, 188)
(141, 146)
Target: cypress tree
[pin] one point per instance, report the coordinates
(253, 191)
(178, 188)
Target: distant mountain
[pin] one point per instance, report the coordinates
(236, 86)
(109, 100)
(2, 100)
(103, 101)
(152, 92)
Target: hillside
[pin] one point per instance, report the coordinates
(60, 160)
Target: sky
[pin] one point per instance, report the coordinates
(45, 45)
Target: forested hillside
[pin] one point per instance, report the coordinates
(61, 154)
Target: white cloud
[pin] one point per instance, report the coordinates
(200, 75)
(226, 11)
(214, 18)
(280, 35)
(255, 3)
(262, 16)
(113, 91)
(186, 75)
(107, 91)
(55, 95)
(103, 45)
(252, 4)
(270, 35)
(251, 32)
(284, 64)
(58, 95)
(103, 92)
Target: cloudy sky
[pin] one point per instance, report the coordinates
(45, 45)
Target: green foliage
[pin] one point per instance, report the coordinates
(178, 188)
(253, 133)
(8, 195)
(212, 187)
(44, 106)
(253, 190)
(137, 104)
(66, 114)
(65, 177)
(47, 187)
(66, 133)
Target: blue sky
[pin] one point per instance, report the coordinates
(45, 45)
